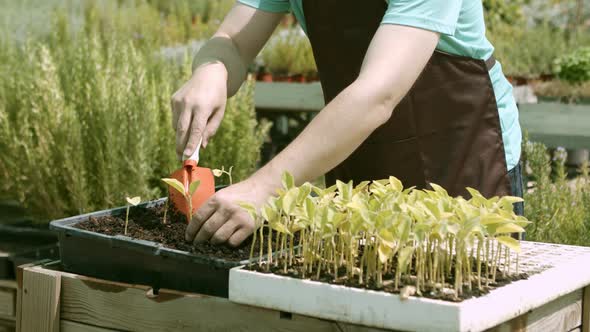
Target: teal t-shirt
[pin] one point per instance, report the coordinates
(462, 28)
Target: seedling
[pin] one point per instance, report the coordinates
(220, 172)
(132, 202)
(188, 195)
(418, 238)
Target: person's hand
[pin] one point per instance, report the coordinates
(222, 220)
(198, 108)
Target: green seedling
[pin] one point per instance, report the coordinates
(418, 238)
(132, 202)
(220, 172)
(188, 195)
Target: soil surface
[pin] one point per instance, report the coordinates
(147, 224)
(430, 291)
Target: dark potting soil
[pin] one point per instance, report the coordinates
(388, 286)
(147, 224)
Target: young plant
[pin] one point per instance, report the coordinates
(220, 172)
(380, 233)
(188, 195)
(132, 202)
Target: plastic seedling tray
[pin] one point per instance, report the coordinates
(121, 258)
(555, 271)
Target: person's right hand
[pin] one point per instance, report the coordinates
(198, 108)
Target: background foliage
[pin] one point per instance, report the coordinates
(85, 110)
(558, 207)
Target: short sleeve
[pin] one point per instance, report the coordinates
(434, 15)
(274, 6)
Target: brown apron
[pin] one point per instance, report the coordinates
(446, 130)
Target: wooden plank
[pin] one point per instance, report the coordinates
(7, 302)
(586, 310)
(288, 97)
(40, 300)
(121, 306)
(7, 325)
(8, 284)
(69, 326)
(563, 314)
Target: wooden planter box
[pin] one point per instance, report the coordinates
(52, 300)
(7, 305)
(556, 283)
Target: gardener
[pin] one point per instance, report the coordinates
(411, 89)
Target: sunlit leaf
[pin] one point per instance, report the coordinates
(404, 257)
(290, 200)
(396, 184)
(439, 189)
(133, 201)
(251, 209)
(175, 184)
(288, 180)
(510, 242)
(384, 252)
(510, 228)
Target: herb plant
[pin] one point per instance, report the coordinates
(132, 202)
(380, 233)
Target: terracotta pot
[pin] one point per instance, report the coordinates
(264, 77)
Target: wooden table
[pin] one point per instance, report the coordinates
(51, 300)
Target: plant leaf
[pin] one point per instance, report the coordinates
(510, 242)
(133, 201)
(288, 180)
(217, 172)
(194, 186)
(173, 183)
(384, 252)
(510, 228)
(396, 184)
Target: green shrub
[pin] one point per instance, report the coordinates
(558, 208)
(528, 52)
(503, 12)
(85, 118)
(574, 67)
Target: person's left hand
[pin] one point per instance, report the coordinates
(222, 220)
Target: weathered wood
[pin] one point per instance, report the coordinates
(562, 314)
(69, 326)
(586, 310)
(7, 325)
(92, 305)
(8, 284)
(39, 306)
(7, 303)
(119, 306)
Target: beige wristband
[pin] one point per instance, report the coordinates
(219, 49)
